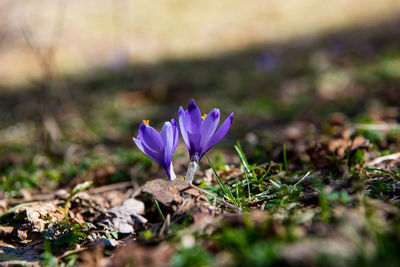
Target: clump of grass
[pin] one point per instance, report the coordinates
(225, 189)
(258, 185)
(64, 234)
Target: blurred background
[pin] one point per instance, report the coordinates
(78, 77)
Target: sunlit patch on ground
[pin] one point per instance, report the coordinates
(75, 36)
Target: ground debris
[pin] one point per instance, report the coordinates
(340, 240)
(12, 255)
(327, 153)
(36, 215)
(316, 195)
(124, 218)
(87, 206)
(22, 238)
(143, 256)
(170, 193)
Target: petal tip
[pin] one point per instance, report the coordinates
(192, 105)
(215, 114)
(142, 126)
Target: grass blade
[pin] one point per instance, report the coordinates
(243, 159)
(158, 208)
(285, 163)
(223, 187)
(23, 205)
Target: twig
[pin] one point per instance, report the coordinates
(98, 190)
(164, 226)
(217, 198)
(111, 187)
(304, 177)
(70, 252)
(40, 197)
(261, 201)
(378, 127)
(383, 158)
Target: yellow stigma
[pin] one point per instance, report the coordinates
(202, 117)
(146, 121)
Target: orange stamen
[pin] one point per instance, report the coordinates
(146, 121)
(202, 117)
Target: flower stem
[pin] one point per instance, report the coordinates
(172, 173)
(191, 170)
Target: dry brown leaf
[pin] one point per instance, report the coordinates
(166, 192)
(39, 215)
(86, 207)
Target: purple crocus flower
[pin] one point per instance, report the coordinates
(200, 132)
(159, 147)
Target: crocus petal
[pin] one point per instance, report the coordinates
(194, 144)
(144, 147)
(190, 124)
(167, 135)
(138, 144)
(221, 132)
(170, 172)
(182, 125)
(151, 154)
(193, 118)
(175, 130)
(170, 136)
(208, 126)
(150, 137)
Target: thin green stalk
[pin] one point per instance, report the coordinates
(264, 175)
(158, 208)
(22, 205)
(285, 163)
(248, 184)
(223, 202)
(223, 187)
(77, 189)
(243, 159)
